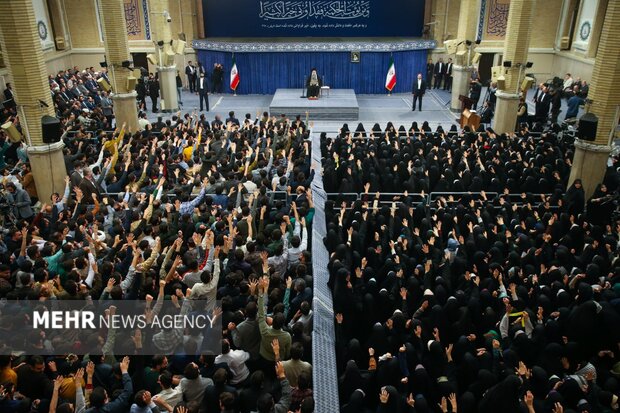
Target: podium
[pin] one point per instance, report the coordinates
(470, 118)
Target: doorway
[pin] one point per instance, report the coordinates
(139, 60)
(484, 67)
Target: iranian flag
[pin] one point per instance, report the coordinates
(390, 79)
(234, 75)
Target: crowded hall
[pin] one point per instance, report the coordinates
(361, 206)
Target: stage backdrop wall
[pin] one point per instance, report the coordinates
(317, 18)
(263, 73)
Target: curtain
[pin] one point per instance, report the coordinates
(263, 73)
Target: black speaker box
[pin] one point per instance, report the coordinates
(587, 127)
(50, 127)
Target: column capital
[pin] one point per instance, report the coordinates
(46, 148)
(502, 94)
(592, 147)
(460, 68)
(167, 68)
(131, 95)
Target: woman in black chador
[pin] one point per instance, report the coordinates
(313, 85)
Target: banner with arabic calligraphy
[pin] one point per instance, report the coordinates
(313, 18)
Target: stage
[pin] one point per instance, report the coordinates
(335, 104)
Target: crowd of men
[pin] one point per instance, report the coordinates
(183, 210)
(499, 293)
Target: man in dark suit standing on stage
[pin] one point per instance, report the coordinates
(543, 101)
(419, 88)
(475, 90)
(440, 70)
(447, 85)
(190, 71)
(430, 69)
(203, 91)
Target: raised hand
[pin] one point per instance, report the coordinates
(384, 396)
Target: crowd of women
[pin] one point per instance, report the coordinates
(481, 283)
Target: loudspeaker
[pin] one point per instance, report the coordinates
(587, 127)
(460, 57)
(131, 83)
(50, 126)
(527, 83)
(450, 46)
(11, 130)
(501, 83)
(168, 58)
(476, 58)
(105, 85)
(60, 43)
(178, 46)
(152, 59)
(497, 71)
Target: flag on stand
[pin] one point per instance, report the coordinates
(234, 76)
(390, 79)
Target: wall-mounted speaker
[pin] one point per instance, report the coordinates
(60, 43)
(450, 46)
(527, 83)
(152, 59)
(104, 84)
(11, 130)
(50, 127)
(587, 127)
(497, 71)
(178, 46)
(501, 82)
(131, 83)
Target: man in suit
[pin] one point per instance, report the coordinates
(154, 91)
(89, 186)
(538, 91)
(203, 91)
(430, 69)
(217, 78)
(475, 90)
(543, 101)
(190, 72)
(419, 88)
(440, 70)
(231, 118)
(448, 78)
(9, 98)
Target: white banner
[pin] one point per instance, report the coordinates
(44, 28)
(583, 31)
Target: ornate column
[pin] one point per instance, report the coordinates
(166, 65)
(22, 53)
(461, 71)
(117, 52)
(516, 48)
(590, 159)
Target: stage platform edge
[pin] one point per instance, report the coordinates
(336, 104)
